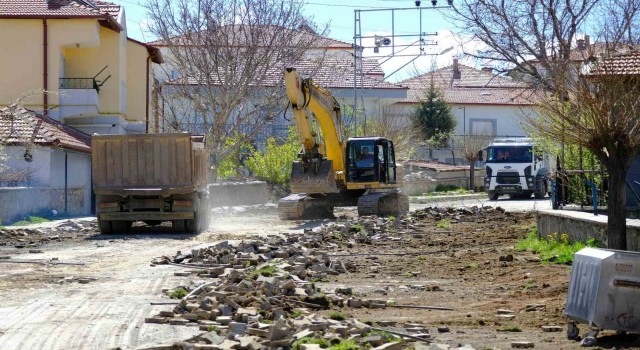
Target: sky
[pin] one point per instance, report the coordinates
(375, 19)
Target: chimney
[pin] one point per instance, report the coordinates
(456, 69)
(581, 44)
(587, 41)
(487, 70)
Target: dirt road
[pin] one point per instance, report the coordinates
(46, 307)
(102, 304)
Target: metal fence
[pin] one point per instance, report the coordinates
(79, 83)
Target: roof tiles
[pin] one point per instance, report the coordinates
(28, 126)
(472, 87)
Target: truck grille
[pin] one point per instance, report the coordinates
(508, 178)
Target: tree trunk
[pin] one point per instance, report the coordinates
(472, 176)
(617, 204)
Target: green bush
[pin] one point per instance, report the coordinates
(274, 164)
(554, 248)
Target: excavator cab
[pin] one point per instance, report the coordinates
(370, 159)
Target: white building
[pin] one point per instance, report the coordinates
(481, 102)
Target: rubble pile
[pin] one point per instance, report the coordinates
(25, 237)
(263, 292)
(417, 176)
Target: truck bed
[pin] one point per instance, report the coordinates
(159, 163)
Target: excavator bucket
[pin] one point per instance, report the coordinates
(322, 180)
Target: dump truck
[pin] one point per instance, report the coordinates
(514, 169)
(151, 178)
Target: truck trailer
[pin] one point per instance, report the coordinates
(151, 178)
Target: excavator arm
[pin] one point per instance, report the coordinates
(311, 101)
(321, 165)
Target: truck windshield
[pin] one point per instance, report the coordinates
(509, 154)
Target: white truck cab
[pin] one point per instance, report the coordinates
(512, 168)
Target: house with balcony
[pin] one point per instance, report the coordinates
(68, 70)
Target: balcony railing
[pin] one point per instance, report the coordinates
(79, 83)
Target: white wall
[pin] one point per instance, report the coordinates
(49, 169)
(40, 166)
(508, 119)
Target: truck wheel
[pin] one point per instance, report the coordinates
(493, 195)
(104, 227)
(121, 226)
(541, 189)
(179, 226)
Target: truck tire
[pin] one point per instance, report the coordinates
(493, 195)
(541, 189)
(105, 227)
(179, 226)
(121, 226)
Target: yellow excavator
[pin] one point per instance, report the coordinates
(331, 172)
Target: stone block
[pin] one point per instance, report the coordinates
(522, 344)
(155, 320)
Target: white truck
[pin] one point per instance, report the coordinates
(513, 168)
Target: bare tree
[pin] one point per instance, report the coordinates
(538, 41)
(225, 63)
(534, 39)
(389, 121)
(470, 145)
(601, 115)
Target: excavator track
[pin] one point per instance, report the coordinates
(303, 207)
(383, 204)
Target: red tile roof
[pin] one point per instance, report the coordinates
(61, 9)
(473, 87)
(29, 126)
(627, 64)
(331, 74)
(236, 31)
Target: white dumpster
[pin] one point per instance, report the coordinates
(604, 291)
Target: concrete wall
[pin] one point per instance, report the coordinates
(416, 188)
(238, 193)
(583, 226)
(48, 171)
(19, 202)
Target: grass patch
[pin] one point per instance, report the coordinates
(554, 248)
(356, 228)
(307, 340)
(346, 345)
(510, 329)
(421, 257)
(386, 336)
(445, 224)
(338, 316)
(442, 190)
(528, 285)
(31, 220)
(472, 266)
(296, 314)
(212, 329)
(266, 271)
(178, 293)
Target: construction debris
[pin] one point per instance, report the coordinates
(263, 293)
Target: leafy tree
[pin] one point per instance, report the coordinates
(274, 164)
(433, 118)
